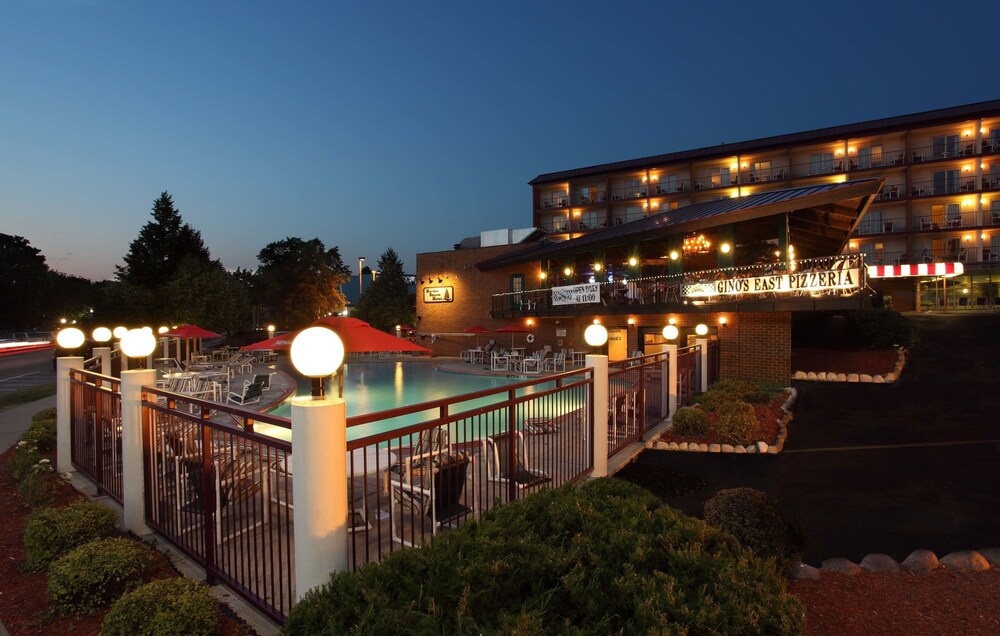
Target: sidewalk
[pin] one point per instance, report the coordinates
(14, 421)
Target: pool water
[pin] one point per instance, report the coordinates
(371, 387)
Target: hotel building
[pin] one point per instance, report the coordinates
(723, 237)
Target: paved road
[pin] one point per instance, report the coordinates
(23, 370)
(877, 468)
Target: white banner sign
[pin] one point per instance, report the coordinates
(576, 294)
(777, 283)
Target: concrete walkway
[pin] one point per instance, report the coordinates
(14, 421)
(876, 468)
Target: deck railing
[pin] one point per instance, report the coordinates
(220, 492)
(688, 374)
(637, 399)
(444, 462)
(96, 429)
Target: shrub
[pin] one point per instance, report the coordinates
(877, 329)
(167, 606)
(45, 414)
(756, 521)
(737, 424)
(603, 557)
(34, 485)
(24, 458)
(41, 433)
(95, 574)
(52, 532)
(689, 420)
(726, 392)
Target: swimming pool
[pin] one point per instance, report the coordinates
(370, 387)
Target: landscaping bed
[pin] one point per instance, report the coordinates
(840, 361)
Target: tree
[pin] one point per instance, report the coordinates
(386, 302)
(300, 281)
(24, 283)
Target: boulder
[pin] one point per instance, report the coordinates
(682, 446)
(840, 566)
(773, 450)
(803, 572)
(878, 379)
(965, 561)
(739, 449)
(811, 375)
(714, 448)
(752, 448)
(853, 377)
(672, 446)
(841, 377)
(890, 377)
(880, 564)
(921, 562)
(703, 448)
(833, 376)
(662, 445)
(821, 376)
(799, 375)
(864, 377)
(992, 556)
(727, 448)
(761, 447)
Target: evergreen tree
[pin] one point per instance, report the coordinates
(162, 245)
(386, 301)
(24, 282)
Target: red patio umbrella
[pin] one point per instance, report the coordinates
(476, 329)
(360, 337)
(188, 333)
(512, 329)
(275, 343)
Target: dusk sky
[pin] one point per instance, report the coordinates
(412, 125)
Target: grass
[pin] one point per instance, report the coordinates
(24, 396)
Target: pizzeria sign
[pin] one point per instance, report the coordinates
(815, 281)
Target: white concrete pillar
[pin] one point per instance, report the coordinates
(64, 448)
(104, 353)
(133, 497)
(319, 489)
(703, 362)
(671, 376)
(600, 366)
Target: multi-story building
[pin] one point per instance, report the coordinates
(940, 201)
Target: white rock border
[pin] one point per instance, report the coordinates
(757, 448)
(919, 562)
(833, 376)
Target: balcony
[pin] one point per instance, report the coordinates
(876, 226)
(628, 193)
(716, 181)
(760, 176)
(883, 159)
(890, 192)
(551, 202)
(949, 222)
(671, 187)
(940, 187)
(788, 285)
(817, 168)
(937, 152)
(594, 197)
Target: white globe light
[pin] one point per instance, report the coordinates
(138, 343)
(120, 332)
(101, 334)
(70, 338)
(701, 329)
(596, 335)
(148, 329)
(317, 352)
(670, 332)
(163, 330)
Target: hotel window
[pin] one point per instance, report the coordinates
(634, 188)
(592, 219)
(946, 181)
(516, 291)
(995, 212)
(870, 156)
(720, 177)
(872, 223)
(588, 194)
(760, 171)
(670, 183)
(821, 163)
(945, 146)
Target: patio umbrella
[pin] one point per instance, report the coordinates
(189, 333)
(275, 343)
(476, 329)
(512, 329)
(360, 337)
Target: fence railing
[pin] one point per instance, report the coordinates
(220, 492)
(637, 400)
(417, 470)
(688, 374)
(96, 430)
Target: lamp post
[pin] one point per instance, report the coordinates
(101, 336)
(319, 428)
(596, 335)
(270, 331)
(361, 279)
(68, 339)
(138, 344)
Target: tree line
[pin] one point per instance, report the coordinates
(168, 276)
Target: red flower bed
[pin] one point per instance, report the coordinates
(768, 416)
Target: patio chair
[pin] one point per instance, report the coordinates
(236, 478)
(499, 362)
(499, 468)
(557, 361)
(436, 494)
(250, 395)
(264, 379)
(533, 363)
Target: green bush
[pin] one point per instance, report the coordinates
(41, 433)
(96, 574)
(24, 458)
(52, 532)
(167, 606)
(689, 420)
(600, 558)
(756, 521)
(45, 414)
(877, 329)
(726, 392)
(737, 424)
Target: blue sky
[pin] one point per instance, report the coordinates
(412, 125)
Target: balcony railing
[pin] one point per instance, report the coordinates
(548, 203)
(944, 222)
(680, 289)
(758, 176)
(880, 226)
(963, 148)
(671, 187)
(716, 181)
(882, 159)
(817, 168)
(628, 193)
(890, 192)
(596, 197)
(938, 187)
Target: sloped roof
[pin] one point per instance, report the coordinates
(699, 216)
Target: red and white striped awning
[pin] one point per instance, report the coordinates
(918, 269)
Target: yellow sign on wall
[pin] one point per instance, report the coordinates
(439, 294)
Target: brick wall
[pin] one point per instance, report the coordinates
(757, 346)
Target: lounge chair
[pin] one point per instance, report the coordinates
(250, 395)
(498, 467)
(436, 493)
(264, 379)
(533, 363)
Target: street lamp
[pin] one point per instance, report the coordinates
(595, 335)
(70, 338)
(701, 329)
(119, 332)
(670, 332)
(138, 343)
(317, 352)
(101, 335)
(270, 331)
(361, 280)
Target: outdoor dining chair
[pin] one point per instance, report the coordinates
(434, 494)
(500, 469)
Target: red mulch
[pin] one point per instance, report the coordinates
(23, 599)
(870, 362)
(767, 420)
(946, 602)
